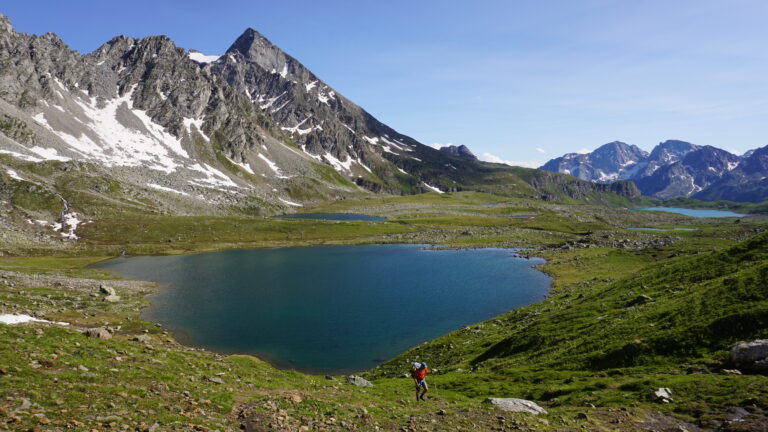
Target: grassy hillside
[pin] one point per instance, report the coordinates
(593, 342)
(584, 353)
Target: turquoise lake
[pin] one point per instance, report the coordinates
(694, 212)
(330, 309)
(333, 216)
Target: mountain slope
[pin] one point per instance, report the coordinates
(694, 172)
(142, 125)
(609, 162)
(664, 154)
(747, 182)
(143, 113)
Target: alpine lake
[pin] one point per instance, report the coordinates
(330, 309)
(696, 213)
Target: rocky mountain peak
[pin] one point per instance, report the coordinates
(460, 151)
(254, 47)
(617, 152)
(5, 24)
(672, 150)
(247, 40)
(757, 162)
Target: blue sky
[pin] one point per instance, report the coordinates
(520, 81)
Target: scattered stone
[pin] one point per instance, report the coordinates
(641, 299)
(582, 416)
(662, 395)
(441, 412)
(731, 371)
(143, 338)
(516, 405)
(295, 399)
(98, 333)
(216, 380)
(107, 290)
(25, 404)
(358, 381)
(112, 298)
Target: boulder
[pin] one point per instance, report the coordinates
(516, 405)
(98, 333)
(142, 338)
(751, 355)
(662, 394)
(107, 290)
(358, 381)
(112, 298)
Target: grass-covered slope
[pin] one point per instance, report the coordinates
(582, 350)
(699, 305)
(594, 341)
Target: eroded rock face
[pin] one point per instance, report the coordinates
(751, 355)
(516, 405)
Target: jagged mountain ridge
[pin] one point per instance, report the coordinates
(673, 169)
(148, 115)
(146, 124)
(746, 182)
(609, 162)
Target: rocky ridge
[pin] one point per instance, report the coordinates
(673, 169)
(143, 125)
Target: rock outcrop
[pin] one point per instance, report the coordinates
(516, 405)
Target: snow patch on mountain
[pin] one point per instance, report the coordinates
(273, 166)
(202, 58)
(432, 188)
(21, 156)
(13, 174)
(116, 134)
(290, 203)
(166, 189)
(337, 164)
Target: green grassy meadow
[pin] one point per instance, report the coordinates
(587, 354)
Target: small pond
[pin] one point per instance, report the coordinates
(333, 216)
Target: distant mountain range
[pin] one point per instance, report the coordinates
(673, 169)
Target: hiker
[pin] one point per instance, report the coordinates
(419, 374)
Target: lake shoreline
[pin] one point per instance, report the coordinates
(185, 339)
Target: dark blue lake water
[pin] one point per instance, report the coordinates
(331, 309)
(694, 212)
(333, 216)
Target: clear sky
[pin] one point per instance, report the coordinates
(520, 81)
